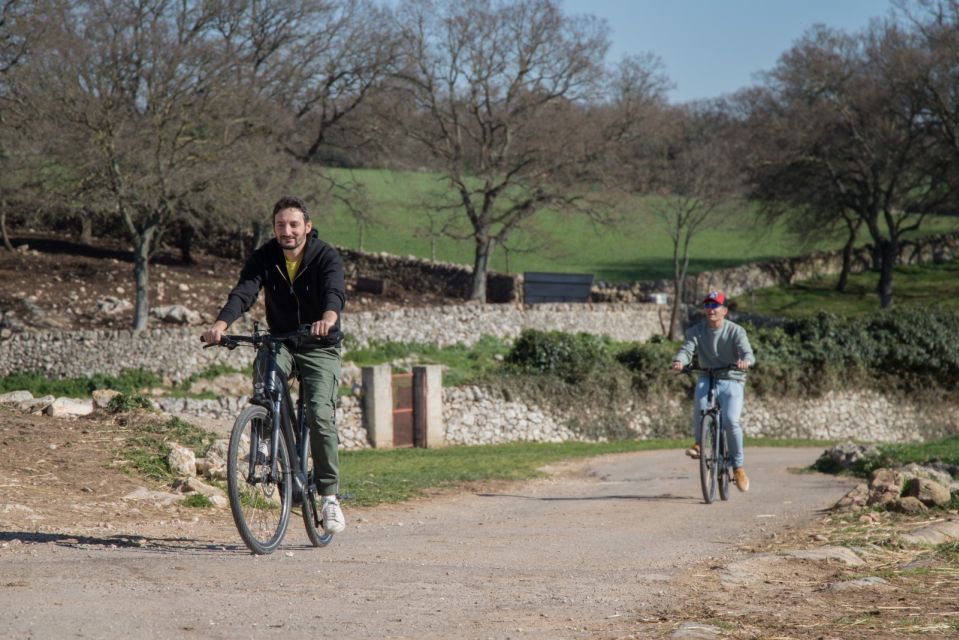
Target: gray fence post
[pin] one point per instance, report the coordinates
(378, 405)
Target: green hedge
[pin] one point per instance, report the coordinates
(913, 350)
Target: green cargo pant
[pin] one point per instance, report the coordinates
(319, 369)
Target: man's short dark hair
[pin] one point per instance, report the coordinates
(291, 202)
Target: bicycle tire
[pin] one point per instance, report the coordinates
(311, 513)
(707, 458)
(261, 508)
(723, 469)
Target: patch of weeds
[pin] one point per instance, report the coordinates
(126, 402)
(148, 446)
(197, 500)
(949, 551)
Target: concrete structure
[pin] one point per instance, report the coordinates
(378, 405)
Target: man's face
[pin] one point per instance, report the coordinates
(290, 229)
(715, 313)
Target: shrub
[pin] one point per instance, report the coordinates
(125, 402)
(572, 357)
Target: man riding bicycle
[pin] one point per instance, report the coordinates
(718, 342)
(302, 277)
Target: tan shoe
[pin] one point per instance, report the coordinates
(693, 451)
(742, 482)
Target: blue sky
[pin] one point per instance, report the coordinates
(712, 47)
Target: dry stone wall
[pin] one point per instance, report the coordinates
(177, 352)
(475, 415)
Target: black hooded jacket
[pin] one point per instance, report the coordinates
(318, 287)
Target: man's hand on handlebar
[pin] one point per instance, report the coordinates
(214, 334)
(677, 366)
(322, 327)
(742, 365)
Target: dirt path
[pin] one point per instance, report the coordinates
(585, 554)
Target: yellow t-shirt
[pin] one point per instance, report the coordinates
(292, 266)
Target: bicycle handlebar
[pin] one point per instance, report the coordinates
(707, 371)
(232, 341)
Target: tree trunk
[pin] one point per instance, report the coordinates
(141, 274)
(484, 248)
(678, 292)
(3, 229)
(185, 244)
(847, 250)
(888, 250)
(259, 235)
(86, 229)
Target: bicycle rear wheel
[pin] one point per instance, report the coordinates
(259, 501)
(707, 458)
(723, 468)
(311, 512)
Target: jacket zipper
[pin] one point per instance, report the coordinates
(296, 299)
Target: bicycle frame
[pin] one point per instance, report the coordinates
(714, 464)
(277, 394)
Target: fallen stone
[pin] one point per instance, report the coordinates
(69, 408)
(191, 485)
(37, 405)
(869, 582)
(842, 554)
(929, 492)
(935, 533)
(159, 497)
(696, 631)
(908, 505)
(182, 460)
(15, 397)
(102, 397)
(176, 314)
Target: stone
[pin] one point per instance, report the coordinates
(111, 305)
(36, 405)
(191, 485)
(182, 460)
(69, 407)
(935, 533)
(176, 314)
(15, 397)
(842, 554)
(869, 582)
(929, 492)
(102, 397)
(908, 505)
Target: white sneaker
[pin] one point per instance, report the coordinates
(333, 520)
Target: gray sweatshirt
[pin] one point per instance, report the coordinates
(717, 348)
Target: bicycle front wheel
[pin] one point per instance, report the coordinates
(708, 463)
(723, 468)
(259, 500)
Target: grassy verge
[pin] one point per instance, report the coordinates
(373, 477)
(147, 444)
(931, 284)
(128, 381)
(462, 363)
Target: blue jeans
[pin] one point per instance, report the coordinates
(729, 394)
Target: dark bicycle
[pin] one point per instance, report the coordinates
(269, 466)
(715, 465)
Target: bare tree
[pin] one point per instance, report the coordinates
(307, 68)
(692, 177)
(861, 138)
(495, 89)
(136, 89)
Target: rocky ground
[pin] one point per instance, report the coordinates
(52, 282)
(861, 572)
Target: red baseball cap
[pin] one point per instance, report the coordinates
(715, 296)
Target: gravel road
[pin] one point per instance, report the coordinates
(578, 555)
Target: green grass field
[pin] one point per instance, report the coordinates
(638, 248)
(933, 284)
